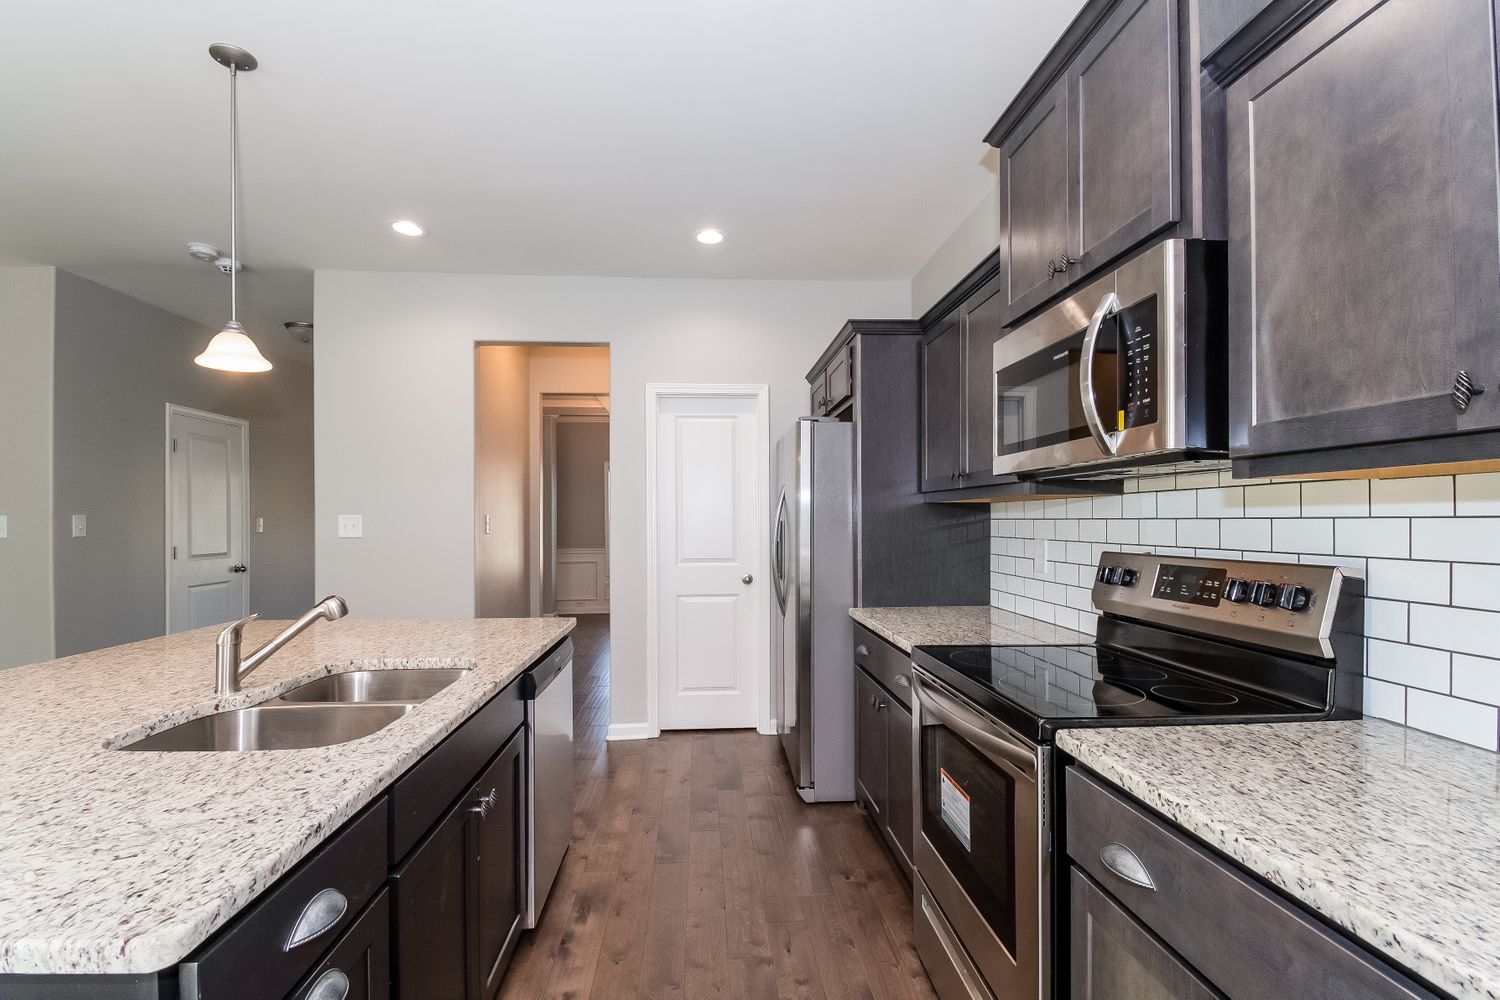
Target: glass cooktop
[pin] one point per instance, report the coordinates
(1038, 689)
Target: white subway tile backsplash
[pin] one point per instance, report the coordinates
(1336, 498)
(1384, 537)
(1313, 534)
(1413, 666)
(1429, 548)
(1465, 721)
(1476, 678)
(1246, 533)
(1458, 629)
(1273, 500)
(1479, 494)
(1476, 586)
(1426, 496)
(1458, 539)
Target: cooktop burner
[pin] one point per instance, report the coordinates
(1044, 688)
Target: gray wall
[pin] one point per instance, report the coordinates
(582, 489)
(502, 437)
(118, 362)
(976, 238)
(26, 464)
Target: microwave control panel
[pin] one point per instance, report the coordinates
(1137, 332)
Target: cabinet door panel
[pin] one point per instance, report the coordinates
(1034, 203)
(1123, 98)
(899, 815)
(839, 383)
(499, 865)
(983, 323)
(1363, 214)
(1115, 958)
(871, 765)
(942, 406)
(430, 894)
(817, 395)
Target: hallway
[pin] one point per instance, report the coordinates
(696, 871)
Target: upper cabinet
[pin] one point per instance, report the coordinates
(1365, 246)
(832, 383)
(942, 451)
(1105, 148)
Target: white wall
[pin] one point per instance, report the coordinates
(26, 323)
(395, 412)
(1428, 547)
(976, 238)
(501, 478)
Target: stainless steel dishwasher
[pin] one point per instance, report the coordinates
(549, 773)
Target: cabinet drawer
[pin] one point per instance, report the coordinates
(884, 662)
(421, 796)
(358, 967)
(1197, 904)
(272, 945)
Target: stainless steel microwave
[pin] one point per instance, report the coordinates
(1128, 371)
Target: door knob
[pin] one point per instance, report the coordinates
(747, 579)
(241, 568)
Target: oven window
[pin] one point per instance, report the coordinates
(968, 815)
(1038, 401)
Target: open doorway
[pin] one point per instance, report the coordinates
(541, 499)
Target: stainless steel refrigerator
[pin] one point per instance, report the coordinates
(812, 565)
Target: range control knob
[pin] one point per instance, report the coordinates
(1236, 591)
(1114, 575)
(1264, 594)
(1128, 577)
(1102, 575)
(1294, 598)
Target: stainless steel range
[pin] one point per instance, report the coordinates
(1180, 641)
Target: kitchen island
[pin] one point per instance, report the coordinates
(122, 863)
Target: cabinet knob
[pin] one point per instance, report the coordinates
(331, 985)
(1066, 261)
(1464, 390)
(485, 804)
(1052, 269)
(321, 914)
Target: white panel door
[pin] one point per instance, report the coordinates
(709, 616)
(206, 499)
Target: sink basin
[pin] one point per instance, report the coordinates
(275, 727)
(367, 686)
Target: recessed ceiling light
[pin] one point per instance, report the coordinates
(710, 237)
(406, 227)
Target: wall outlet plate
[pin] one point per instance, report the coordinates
(351, 526)
(4, 525)
(260, 525)
(80, 525)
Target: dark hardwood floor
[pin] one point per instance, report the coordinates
(696, 871)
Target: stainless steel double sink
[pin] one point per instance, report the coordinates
(332, 709)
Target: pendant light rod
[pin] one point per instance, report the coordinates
(234, 192)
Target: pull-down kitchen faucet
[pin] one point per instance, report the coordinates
(229, 669)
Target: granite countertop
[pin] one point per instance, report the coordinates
(1390, 833)
(960, 626)
(124, 862)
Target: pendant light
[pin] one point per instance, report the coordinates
(231, 349)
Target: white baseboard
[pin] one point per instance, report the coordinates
(629, 731)
(582, 608)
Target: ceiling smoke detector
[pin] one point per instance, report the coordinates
(213, 255)
(300, 329)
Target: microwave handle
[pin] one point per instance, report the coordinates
(1109, 442)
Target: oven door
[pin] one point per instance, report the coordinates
(1093, 378)
(979, 837)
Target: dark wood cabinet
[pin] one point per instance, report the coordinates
(900, 811)
(983, 322)
(1364, 240)
(1115, 958)
(942, 424)
(458, 898)
(1034, 209)
(817, 394)
(871, 776)
(1123, 110)
(832, 385)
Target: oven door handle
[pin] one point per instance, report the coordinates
(1108, 441)
(1003, 749)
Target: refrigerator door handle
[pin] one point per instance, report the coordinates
(778, 552)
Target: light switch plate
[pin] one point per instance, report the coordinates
(80, 525)
(4, 525)
(351, 526)
(260, 525)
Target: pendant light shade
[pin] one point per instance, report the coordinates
(231, 349)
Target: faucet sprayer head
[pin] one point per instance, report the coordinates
(333, 608)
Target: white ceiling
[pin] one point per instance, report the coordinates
(828, 138)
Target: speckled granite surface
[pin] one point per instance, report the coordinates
(1390, 833)
(126, 861)
(959, 626)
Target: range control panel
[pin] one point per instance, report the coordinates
(1285, 605)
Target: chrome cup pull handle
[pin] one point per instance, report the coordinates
(1108, 442)
(331, 985)
(321, 914)
(1124, 863)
